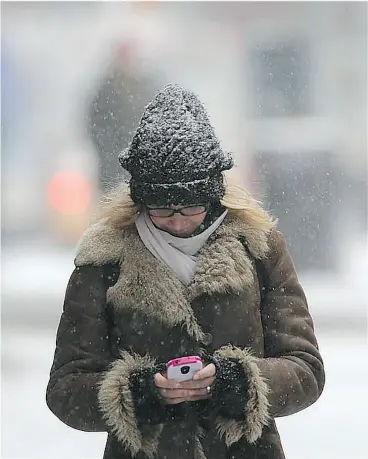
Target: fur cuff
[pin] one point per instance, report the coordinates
(198, 448)
(116, 403)
(256, 407)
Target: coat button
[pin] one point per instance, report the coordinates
(207, 339)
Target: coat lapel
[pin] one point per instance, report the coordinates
(147, 285)
(223, 265)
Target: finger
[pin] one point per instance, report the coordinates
(198, 393)
(164, 383)
(199, 397)
(175, 393)
(186, 394)
(174, 401)
(206, 372)
(198, 384)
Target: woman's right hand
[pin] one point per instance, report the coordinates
(173, 392)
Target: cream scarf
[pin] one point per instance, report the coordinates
(179, 254)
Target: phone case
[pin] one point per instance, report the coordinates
(183, 368)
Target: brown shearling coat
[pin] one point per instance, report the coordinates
(125, 311)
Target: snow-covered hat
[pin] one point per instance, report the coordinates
(175, 156)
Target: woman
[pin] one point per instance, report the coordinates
(183, 265)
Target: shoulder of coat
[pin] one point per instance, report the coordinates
(256, 239)
(101, 244)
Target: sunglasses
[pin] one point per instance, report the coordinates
(164, 212)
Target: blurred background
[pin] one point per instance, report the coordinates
(285, 84)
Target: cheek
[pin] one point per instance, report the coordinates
(160, 222)
(198, 220)
(166, 223)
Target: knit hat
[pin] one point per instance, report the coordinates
(174, 156)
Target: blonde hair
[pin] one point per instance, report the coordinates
(116, 208)
(118, 211)
(243, 206)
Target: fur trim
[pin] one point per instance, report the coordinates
(100, 244)
(116, 402)
(256, 409)
(223, 265)
(256, 239)
(198, 450)
(147, 285)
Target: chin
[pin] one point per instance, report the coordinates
(180, 233)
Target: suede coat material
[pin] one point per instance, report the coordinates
(124, 312)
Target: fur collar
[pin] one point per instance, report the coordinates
(224, 266)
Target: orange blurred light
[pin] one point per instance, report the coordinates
(69, 193)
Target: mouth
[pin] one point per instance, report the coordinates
(180, 233)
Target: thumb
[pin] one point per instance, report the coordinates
(206, 372)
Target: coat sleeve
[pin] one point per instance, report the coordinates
(81, 354)
(293, 368)
(88, 389)
(290, 377)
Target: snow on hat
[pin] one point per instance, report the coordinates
(175, 156)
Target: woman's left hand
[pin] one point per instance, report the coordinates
(200, 385)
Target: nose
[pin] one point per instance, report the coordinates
(177, 221)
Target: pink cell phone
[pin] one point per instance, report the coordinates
(183, 368)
